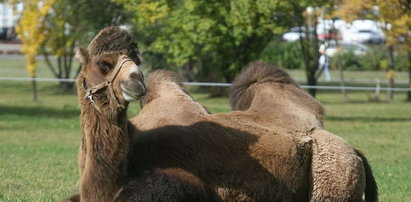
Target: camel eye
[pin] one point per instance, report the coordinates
(104, 66)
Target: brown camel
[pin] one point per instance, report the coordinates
(338, 171)
(293, 110)
(109, 80)
(235, 158)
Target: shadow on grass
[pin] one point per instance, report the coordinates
(369, 119)
(39, 111)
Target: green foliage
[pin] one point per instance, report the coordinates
(375, 59)
(284, 54)
(219, 36)
(348, 60)
(73, 23)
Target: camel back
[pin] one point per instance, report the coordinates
(258, 72)
(273, 84)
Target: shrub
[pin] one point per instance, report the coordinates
(284, 54)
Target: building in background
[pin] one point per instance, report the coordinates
(8, 20)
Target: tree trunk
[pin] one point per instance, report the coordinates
(34, 89)
(390, 74)
(409, 77)
(189, 71)
(340, 69)
(312, 81)
(309, 50)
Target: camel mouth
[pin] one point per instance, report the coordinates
(132, 95)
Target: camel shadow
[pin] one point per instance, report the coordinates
(222, 158)
(39, 111)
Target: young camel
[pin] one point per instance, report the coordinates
(109, 80)
(236, 159)
(339, 172)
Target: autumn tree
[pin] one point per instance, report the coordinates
(31, 31)
(304, 13)
(395, 18)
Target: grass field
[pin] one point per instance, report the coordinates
(39, 141)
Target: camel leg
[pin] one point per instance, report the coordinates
(337, 172)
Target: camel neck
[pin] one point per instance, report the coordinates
(105, 144)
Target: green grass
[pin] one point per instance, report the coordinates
(39, 141)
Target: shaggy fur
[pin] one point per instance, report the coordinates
(114, 40)
(107, 138)
(338, 171)
(235, 158)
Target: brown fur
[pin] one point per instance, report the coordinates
(339, 172)
(167, 98)
(107, 136)
(114, 40)
(234, 157)
(269, 90)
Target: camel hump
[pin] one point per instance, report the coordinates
(258, 72)
(155, 80)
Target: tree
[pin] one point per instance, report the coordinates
(394, 15)
(73, 23)
(218, 36)
(305, 14)
(31, 31)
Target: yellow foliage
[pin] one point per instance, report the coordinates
(390, 74)
(31, 30)
(394, 14)
(350, 10)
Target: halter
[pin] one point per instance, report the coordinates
(107, 83)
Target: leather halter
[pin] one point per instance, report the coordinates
(107, 83)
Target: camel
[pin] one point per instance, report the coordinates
(215, 158)
(291, 110)
(236, 156)
(109, 80)
(339, 172)
(236, 159)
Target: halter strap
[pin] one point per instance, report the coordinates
(107, 83)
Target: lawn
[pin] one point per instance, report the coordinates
(39, 141)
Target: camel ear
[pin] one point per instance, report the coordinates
(82, 55)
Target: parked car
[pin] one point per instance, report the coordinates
(357, 48)
(367, 36)
(295, 33)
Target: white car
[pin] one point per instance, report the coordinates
(295, 33)
(367, 36)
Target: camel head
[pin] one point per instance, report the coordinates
(110, 67)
